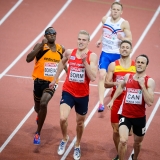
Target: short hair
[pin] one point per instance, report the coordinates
(143, 55)
(118, 4)
(126, 41)
(85, 33)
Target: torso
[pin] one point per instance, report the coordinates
(46, 63)
(110, 42)
(134, 104)
(77, 81)
(119, 73)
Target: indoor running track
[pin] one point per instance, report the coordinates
(22, 27)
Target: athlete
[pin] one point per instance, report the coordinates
(115, 29)
(47, 55)
(116, 72)
(82, 69)
(139, 93)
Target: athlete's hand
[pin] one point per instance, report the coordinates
(98, 43)
(109, 105)
(44, 41)
(141, 82)
(52, 84)
(83, 57)
(119, 36)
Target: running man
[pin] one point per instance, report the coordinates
(83, 66)
(116, 72)
(47, 55)
(139, 93)
(115, 29)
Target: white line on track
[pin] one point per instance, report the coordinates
(36, 39)
(10, 11)
(16, 60)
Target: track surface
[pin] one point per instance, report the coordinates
(17, 32)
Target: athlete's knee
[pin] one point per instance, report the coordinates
(43, 104)
(80, 123)
(36, 109)
(101, 76)
(63, 119)
(123, 141)
(115, 130)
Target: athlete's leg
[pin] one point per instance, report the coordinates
(139, 132)
(43, 110)
(80, 128)
(122, 147)
(115, 127)
(64, 113)
(101, 88)
(137, 145)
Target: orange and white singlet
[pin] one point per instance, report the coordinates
(134, 104)
(119, 73)
(77, 81)
(46, 63)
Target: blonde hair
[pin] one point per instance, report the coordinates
(85, 33)
(118, 4)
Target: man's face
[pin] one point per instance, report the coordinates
(141, 64)
(50, 35)
(125, 50)
(82, 41)
(116, 11)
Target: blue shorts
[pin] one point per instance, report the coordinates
(106, 59)
(80, 103)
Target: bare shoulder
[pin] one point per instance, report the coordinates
(93, 55)
(68, 52)
(111, 67)
(151, 82)
(125, 24)
(104, 19)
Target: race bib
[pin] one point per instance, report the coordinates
(50, 69)
(134, 96)
(77, 74)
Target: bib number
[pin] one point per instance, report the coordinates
(50, 69)
(77, 75)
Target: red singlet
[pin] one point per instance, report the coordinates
(134, 104)
(77, 81)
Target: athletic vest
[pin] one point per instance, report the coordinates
(134, 104)
(110, 42)
(118, 75)
(77, 81)
(46, 63)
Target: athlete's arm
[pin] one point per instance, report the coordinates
(35, 51)
(126, 29)
(92, 68)
(100, 39)
(118, 91)
(63, 50)
(61, 66)
(109, 76)
(148, 93)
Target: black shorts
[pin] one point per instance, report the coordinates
(40, 87)
(80, 103)
(138, 124)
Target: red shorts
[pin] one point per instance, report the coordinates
(114, 111)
